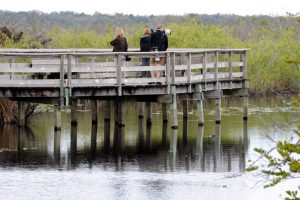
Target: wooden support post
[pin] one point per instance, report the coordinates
(218, 110)
(174, 121)
(245, 107)
(185, 121)
(94, 111)
(148, 113)
(119, 113)
(107, 111)
(141, 110)
(74, 112)
(164, 133)
(164, 112)
(199, 104)
(57, 118)
(21, 113)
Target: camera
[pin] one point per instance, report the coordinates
(165, 31)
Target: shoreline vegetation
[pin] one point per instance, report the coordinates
(273, 41)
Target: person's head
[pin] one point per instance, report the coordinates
(147, 31)
(119, 32)
(159, 27)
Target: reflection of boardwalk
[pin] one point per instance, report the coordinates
(203, 153)
(62, 77)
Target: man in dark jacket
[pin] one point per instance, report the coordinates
(145, 44)
(159, 42)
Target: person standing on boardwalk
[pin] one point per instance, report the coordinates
(159, 42)
(120, 43)
(145, 46)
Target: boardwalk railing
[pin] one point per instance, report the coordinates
(68, 69)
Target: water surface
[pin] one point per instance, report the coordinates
(135, 162)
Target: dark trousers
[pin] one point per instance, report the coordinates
(145, 62)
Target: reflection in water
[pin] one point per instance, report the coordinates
(217, 144)
(140, 142)
(93, 140)
(57, 143)
(164, 133)
(73, 147)
(106, 136)
(244, 146)
(148, 138)
(199, 146)
(21, 134)
(152, 147)
(142, 155)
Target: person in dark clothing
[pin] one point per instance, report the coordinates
(119, 43)
(159, 42)
(145, 44)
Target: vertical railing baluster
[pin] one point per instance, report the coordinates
(61, 80)
(204, 71)
(69, 77)
(230, 68)
(216, 66)
(173, 74)
(189, 72)
(244, 61)
(119, 74)
(168, 62)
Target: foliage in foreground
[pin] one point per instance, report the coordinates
(281, 162)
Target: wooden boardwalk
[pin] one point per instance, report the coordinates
(62, 76)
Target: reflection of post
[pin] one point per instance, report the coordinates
(57, 118)
(21, 113)
(73, 140)
(107, 111)
(172, 160)
(174, 121)
(21, 132)
(94, 139)
(244, 148)
(217, 152)
(94, 127)
(118, 138)
(148, 113)
(57, 141)
(140, 134)
(199, 142)
(148, 138)
(119, 113)
(164, 133)
(185, 121)
(74, 112)
(164, 112)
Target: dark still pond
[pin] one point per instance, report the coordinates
(134, 162)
